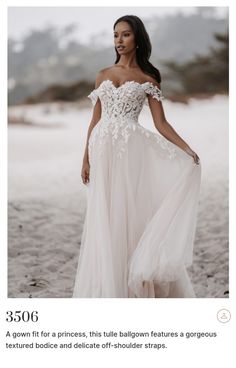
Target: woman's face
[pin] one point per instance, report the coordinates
(124, 38)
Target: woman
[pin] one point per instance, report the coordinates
(142, 187)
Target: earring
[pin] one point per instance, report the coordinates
(136, 47)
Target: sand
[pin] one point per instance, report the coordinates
(47, 200)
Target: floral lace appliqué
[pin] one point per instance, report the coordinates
(121, 107)
(154, 91)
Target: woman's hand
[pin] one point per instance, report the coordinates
(85, 172)
(195, 157)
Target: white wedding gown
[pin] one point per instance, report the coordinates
(142, 203)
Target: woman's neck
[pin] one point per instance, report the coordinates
(128, 61)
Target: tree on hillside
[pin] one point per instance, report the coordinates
(205, 74)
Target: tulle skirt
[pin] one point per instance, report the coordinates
(139, 228)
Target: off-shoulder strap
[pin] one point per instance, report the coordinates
(153, 90)
(93, 96)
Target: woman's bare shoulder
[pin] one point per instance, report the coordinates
(103, 74)
(152, 80)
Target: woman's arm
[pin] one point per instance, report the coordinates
(166, 129)
(95, 117)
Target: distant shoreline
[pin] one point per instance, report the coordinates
(84, 101)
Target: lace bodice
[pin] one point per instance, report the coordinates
(121, 107)
(125, 101)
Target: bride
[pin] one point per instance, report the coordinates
(142, 187)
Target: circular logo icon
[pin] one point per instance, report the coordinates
(223, 315)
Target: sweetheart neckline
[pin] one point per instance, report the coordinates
(131, 81)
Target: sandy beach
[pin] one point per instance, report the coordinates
(47, 200)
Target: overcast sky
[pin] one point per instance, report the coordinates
(89, 20)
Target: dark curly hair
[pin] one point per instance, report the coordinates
(143, 52)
